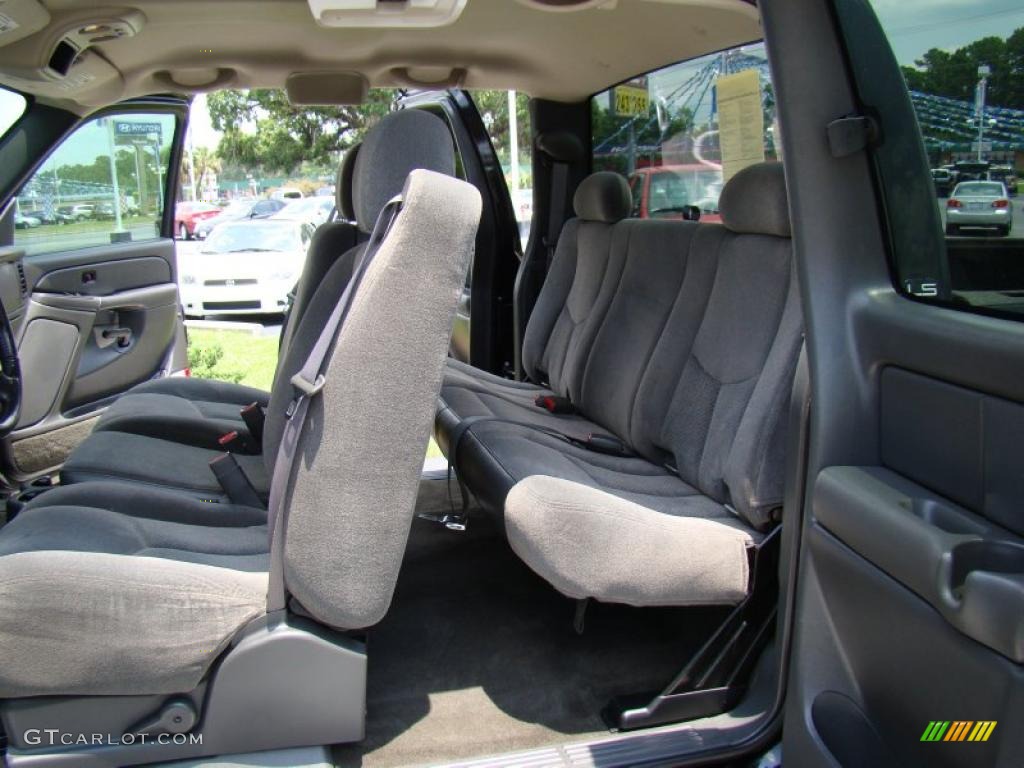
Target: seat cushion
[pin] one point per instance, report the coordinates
(123, 457)
(94, 602)
(139, 500)
(589, 543)
(470, 393)
(186, 410)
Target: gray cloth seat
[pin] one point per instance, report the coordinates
(121, 589)
(198, 412)
(567, 315)
(161, 456)
(691, 368)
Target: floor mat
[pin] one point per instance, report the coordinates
(478, 655)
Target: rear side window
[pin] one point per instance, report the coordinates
(950, 166)
(679, 133)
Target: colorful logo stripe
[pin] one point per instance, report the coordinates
(958, 730)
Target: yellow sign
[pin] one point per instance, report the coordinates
(740, 121)
(631, 100)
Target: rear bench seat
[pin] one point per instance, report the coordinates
(684, 339)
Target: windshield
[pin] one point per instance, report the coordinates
(982, 189)
(253, 236)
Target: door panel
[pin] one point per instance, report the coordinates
(908, 636)
(96, 309)
(90, 330)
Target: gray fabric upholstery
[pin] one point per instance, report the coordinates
(755, 201)
(361, 450)
(185, 410)
(96, 602)
(680, 339)
(343, 187)
(151, 461)
(588, 543)
(144, 501)
(603, 196)
(401, 142)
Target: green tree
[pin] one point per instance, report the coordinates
(263, 131)
(955, 74)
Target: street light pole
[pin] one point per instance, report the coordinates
(979, 103)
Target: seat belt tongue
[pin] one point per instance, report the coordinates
(231, 478)
(254, 417)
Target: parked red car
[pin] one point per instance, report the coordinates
(661, 192)
(187, 215)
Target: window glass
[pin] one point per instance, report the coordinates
(12, 107)
(509, 129)
(678, 133)
(105, 183)
(964, 69)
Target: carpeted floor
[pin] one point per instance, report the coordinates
(478, 655)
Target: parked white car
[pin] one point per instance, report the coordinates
(314, 210)
(244, 267)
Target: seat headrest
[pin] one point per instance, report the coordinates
(603, 196)
(400, 143)
(343, 187)
(754, 201)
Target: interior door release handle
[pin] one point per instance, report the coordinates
(107, 336)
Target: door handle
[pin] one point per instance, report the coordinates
(107, 336)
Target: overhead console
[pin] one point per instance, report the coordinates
(64, 64)
(386, 13)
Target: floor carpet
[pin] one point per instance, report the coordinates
(478, 655)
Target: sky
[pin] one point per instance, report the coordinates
(913, 26)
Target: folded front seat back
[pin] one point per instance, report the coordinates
(141, 606)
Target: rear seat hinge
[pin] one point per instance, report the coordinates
(850, 134)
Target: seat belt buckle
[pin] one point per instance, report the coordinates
(254, 418)
(555, 404)
(233, 481)
(606, 444)
(304, 388)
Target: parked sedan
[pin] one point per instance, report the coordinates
(244, 267)
(315, 210)
(25, 222)
(980, 204)
(187, 217)
(237, 211)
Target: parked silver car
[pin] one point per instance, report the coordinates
(979, 204)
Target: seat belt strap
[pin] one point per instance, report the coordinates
(556, 212)
(232, 478)
(308, 383)
(254, 417)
